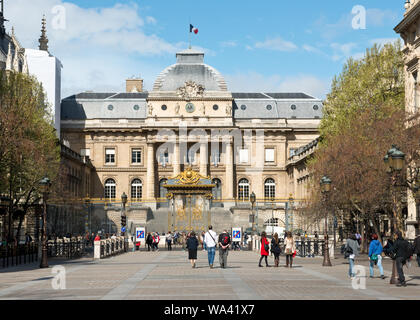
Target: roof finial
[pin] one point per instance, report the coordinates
(43, 40)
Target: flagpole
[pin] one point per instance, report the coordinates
(189, 36)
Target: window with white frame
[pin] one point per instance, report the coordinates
(136, 156)
(269, 188)
(136, 189)
(243, 156)
(243, 189)
(269, 155)
(215, 156)
(164, 158)
(110, 156)
(110, 189)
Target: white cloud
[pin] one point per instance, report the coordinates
(379, 18)
(342, 51)
(309, 84)
(229, 44)
(277, 44)
(99, 47)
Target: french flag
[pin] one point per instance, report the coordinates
(192, 29)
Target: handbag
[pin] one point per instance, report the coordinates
(266, 247)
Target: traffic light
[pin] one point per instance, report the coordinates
(123, 221)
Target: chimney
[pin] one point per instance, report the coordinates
(134, 85)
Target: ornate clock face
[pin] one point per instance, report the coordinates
(190, 107)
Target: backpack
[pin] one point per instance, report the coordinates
(348, 252)
(225, 239)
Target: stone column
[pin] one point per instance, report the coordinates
(229, 171)
(203, 159)
(175, 161)
(150, 180)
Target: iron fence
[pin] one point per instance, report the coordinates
(66, 249)
(13, 255)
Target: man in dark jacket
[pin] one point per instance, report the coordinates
(224, 243)
(417, 249)
(402, 254)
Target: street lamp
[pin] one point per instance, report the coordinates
(291, 204)
(124, 219)
(394, 161)
(325, 189)
(44, 188)
(87, 219)
(253, 199)
(272, 216)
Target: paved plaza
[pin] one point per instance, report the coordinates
(169, 276)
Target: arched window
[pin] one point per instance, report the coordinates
(136, 189)
(269, 188)
(217, 190)
(243, 189)
(110, 189)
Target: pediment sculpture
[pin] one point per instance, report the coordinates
(190, 90)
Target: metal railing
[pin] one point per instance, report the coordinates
(108, 247)
(70, 249)
(304, 248)
(14, 255)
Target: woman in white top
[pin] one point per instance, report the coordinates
(289, 249)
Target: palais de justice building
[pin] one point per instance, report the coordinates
(190, 132)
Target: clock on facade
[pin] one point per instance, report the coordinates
(190, 107)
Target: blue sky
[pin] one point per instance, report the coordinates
(266, 45)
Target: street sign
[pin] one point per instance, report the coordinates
(236, 234)
(123, 229)
(140, 234)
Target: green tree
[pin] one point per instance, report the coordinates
(28, 145)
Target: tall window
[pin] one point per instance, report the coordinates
(269, 188)
(135, 155)
(136, 189)
(269, 155)
(110, 189)
(215, 156)
(217, 190)
(190, 156)
(162, 190)
(243, 156)
(243, 189)
(109, 156)
(164, 158)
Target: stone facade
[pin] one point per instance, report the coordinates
(136, 140)
(409, 30)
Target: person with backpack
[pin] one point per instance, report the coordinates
(156, 240)
(210, 242)
(351, 252)
(264, 249)
(417, 249)
(275, 249)
(224, 244)
(192, 246)
(375, 256)
(149, 242)
(401, 252)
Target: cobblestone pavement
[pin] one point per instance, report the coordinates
(169, 276)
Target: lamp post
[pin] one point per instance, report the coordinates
(124, 219)
(87, 219)
(4, 205)
(291, 204)
(253, 199)
(394, 161)
(325, 189)
(44, 187)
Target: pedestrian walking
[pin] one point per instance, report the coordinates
(149, 242)
(224, 244)
(275, 249)
(417, 249)
(210, 243)
(264, 249)
(351, 252)
(192, 246)
(289, 249)
(401, 253)
(156, 240)
(203, 244)
(375, 256)
(169, 240)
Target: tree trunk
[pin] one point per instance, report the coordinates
(377, 231)
(19, 228)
